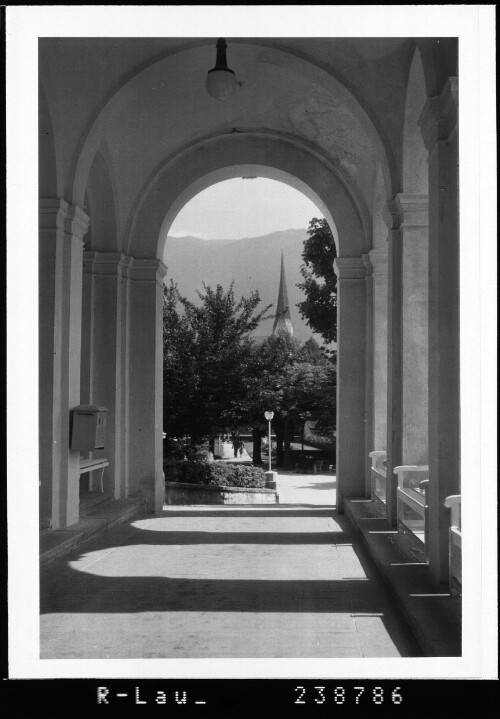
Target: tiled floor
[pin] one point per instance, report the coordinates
(284, 581)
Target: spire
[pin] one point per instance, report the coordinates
(282, 319)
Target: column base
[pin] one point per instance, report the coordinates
(271, 480)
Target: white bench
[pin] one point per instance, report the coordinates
(454, 503)
(89, 465)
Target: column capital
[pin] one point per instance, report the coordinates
(350, 268)
(57, 214)
(390, 215)
(146, 269)
(105, 263)
(413, 210)
(440, 114)
(379, 261)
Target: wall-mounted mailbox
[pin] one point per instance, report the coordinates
(89, 427)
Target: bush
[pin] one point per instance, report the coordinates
(215, 474)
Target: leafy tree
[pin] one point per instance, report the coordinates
(265, 385)
(207, 353)
(319, 308)
(296, 381)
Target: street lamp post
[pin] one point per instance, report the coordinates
(271, 477)
(269, 416)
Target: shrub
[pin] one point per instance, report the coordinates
(215, 474)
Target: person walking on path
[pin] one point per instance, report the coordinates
(241, 447)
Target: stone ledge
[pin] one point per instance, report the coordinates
(434, 616)
(59, 542)
(185, 493)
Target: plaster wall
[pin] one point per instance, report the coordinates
(107, 362)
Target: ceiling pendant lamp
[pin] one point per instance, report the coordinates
(221, 81)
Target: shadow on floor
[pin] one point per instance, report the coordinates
(282, 510)
(91, 593)
(65, 589)
(317, 485)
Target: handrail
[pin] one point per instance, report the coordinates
(413, 494)
(411, 468)
(377, 453)
(378, 456)
(454, 502)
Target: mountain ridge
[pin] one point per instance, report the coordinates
(252, 262)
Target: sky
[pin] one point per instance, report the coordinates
(238, 208)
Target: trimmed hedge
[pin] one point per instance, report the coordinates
(214, 473)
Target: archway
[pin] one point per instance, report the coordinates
(175, 182)
(317, 136)
(229, 156)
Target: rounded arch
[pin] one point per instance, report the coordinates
(415, 170)
(231, 172)
(47, 166)
(176, 182)
(313, 106)
(101, 206)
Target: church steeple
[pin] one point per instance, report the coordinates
(282, 319)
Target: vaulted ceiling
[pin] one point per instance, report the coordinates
(140, 101)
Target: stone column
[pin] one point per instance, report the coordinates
(351, 357)
(394, 343)
(369, 420)
(105, 356)
(413, 234)
(378, 262)
(146, 382)
(62, 228)
(439, 129)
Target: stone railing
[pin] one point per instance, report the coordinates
(412, 505)
(454, 503)
(379, 475)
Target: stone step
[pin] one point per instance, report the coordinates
(433, 615)
(100, 517)
(90, 500)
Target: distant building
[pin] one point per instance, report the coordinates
(282, 319)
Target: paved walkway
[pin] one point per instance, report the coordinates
(228, 454)
(250, 581)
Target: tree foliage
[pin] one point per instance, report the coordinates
(207, 353)
(217, 379)
(297, 382)
(319, 284)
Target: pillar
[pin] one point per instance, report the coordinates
(146, 382)
(394, 359)
(105, 357)
(369, 325)
(413, 236)
(439, 129)
(62, 228)
(378, 262)
(351, 356)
